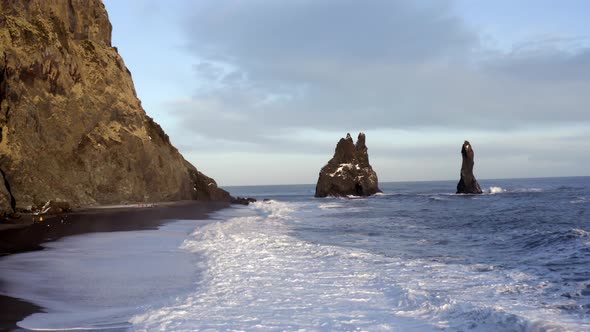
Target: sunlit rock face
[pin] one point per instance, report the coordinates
(72, 127)
(468, 184)
(348, 172)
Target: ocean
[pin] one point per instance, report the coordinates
(415, 258)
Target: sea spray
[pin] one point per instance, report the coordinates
(496, 190)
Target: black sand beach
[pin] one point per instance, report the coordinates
(22, 238)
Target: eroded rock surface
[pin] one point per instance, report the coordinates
(7, 202)
(71, 125)
(348, 172)
(467, 184)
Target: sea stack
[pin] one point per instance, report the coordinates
(468, 184)
(348, 172)
(72, 128)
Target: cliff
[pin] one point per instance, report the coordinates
(348, 172)
(71, 125)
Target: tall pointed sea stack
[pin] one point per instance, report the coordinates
(468, 184)
(71, 125)
(348, 172)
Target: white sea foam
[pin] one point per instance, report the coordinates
(499, 190)
(97, 281)
(580, 200)
(496, 190)
(529, 190)
(332, 206)
(354, 197)
(382, 194)
(260, 277)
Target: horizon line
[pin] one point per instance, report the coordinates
(411, 181)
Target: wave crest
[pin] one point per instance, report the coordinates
(497, 190)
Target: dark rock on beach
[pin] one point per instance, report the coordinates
(468, 184)
(72, 128)
(348, 172)
(243, 200)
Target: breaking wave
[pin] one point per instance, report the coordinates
(496, 190)
(260, 276)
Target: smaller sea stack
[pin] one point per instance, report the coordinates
(348, 172)
(468, 184)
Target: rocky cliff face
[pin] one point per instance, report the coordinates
(467, 184)
(348, 172)
(71, 125)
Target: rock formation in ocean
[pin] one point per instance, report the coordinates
(243, 200)
(348, 172)
(468, 184)
(71, 125)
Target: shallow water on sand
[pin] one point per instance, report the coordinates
(100, 280)
(416, 258)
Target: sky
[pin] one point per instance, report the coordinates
(256, 92)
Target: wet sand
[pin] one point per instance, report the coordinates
(22, 238)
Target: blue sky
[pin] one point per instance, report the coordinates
(259, 92)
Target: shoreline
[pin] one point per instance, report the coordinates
(20, 238)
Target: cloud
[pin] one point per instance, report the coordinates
(271, 67)
(272, 85)
(556, 60)
(259, 31)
